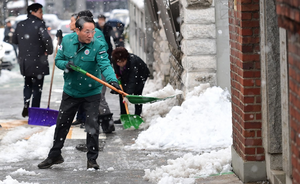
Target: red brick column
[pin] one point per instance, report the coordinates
(294, 102)
(245, 79)
(289, 18)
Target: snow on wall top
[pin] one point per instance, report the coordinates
(138, 3)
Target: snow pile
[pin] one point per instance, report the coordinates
(154, 84)
(19, 133)
(8, 75)
(10, 180)
(190, 125)
(153, 111)
(201, 123)
(22, 172)
(188, 167)
(167, 91)
(20, 150)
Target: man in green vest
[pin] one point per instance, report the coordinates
(90, 54)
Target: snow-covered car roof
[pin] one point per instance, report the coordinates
(20, 18)
(51, 20)
(17, 4)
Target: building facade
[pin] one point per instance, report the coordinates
(264, 38)
(180, 39)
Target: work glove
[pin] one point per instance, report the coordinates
(116, 85)
(59, 36)
(69, 64)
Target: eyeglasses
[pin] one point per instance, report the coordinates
(89, 32)
(121, 60)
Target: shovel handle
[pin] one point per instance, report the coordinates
(76, 68)
(125, 103)
(53, 68)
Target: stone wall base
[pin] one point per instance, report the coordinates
(248, 171)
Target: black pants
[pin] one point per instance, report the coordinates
(138, 107)
(67, 111)
(103, 108)
(81, 114)
(33, 87)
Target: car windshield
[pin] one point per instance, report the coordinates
(65, 27)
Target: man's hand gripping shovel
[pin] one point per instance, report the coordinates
(127, 120)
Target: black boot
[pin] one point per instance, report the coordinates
(107, 122)
(25, 110)
(92, 164)
(117, 122)
(50, 161)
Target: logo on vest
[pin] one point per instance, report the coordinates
(86, 52)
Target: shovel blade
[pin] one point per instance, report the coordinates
(143, 99)
(41, 116)
(129, 120)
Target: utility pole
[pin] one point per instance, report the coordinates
(26, 6)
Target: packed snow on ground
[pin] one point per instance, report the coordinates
(10, 180)
(22, 172)
(185, 169)
(15, 148)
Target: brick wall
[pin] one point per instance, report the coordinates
(245, 79)
(289, 18)
(289, 15)
(294, 101)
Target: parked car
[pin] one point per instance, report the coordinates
(120, 14)
(8, 57)
(64, 26)
(51, 20)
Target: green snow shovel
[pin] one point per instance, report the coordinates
(127, 119)
(134, 99)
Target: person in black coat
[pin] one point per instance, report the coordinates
(35, 44)
(133, 73)
(8, 32)
(106, 29)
